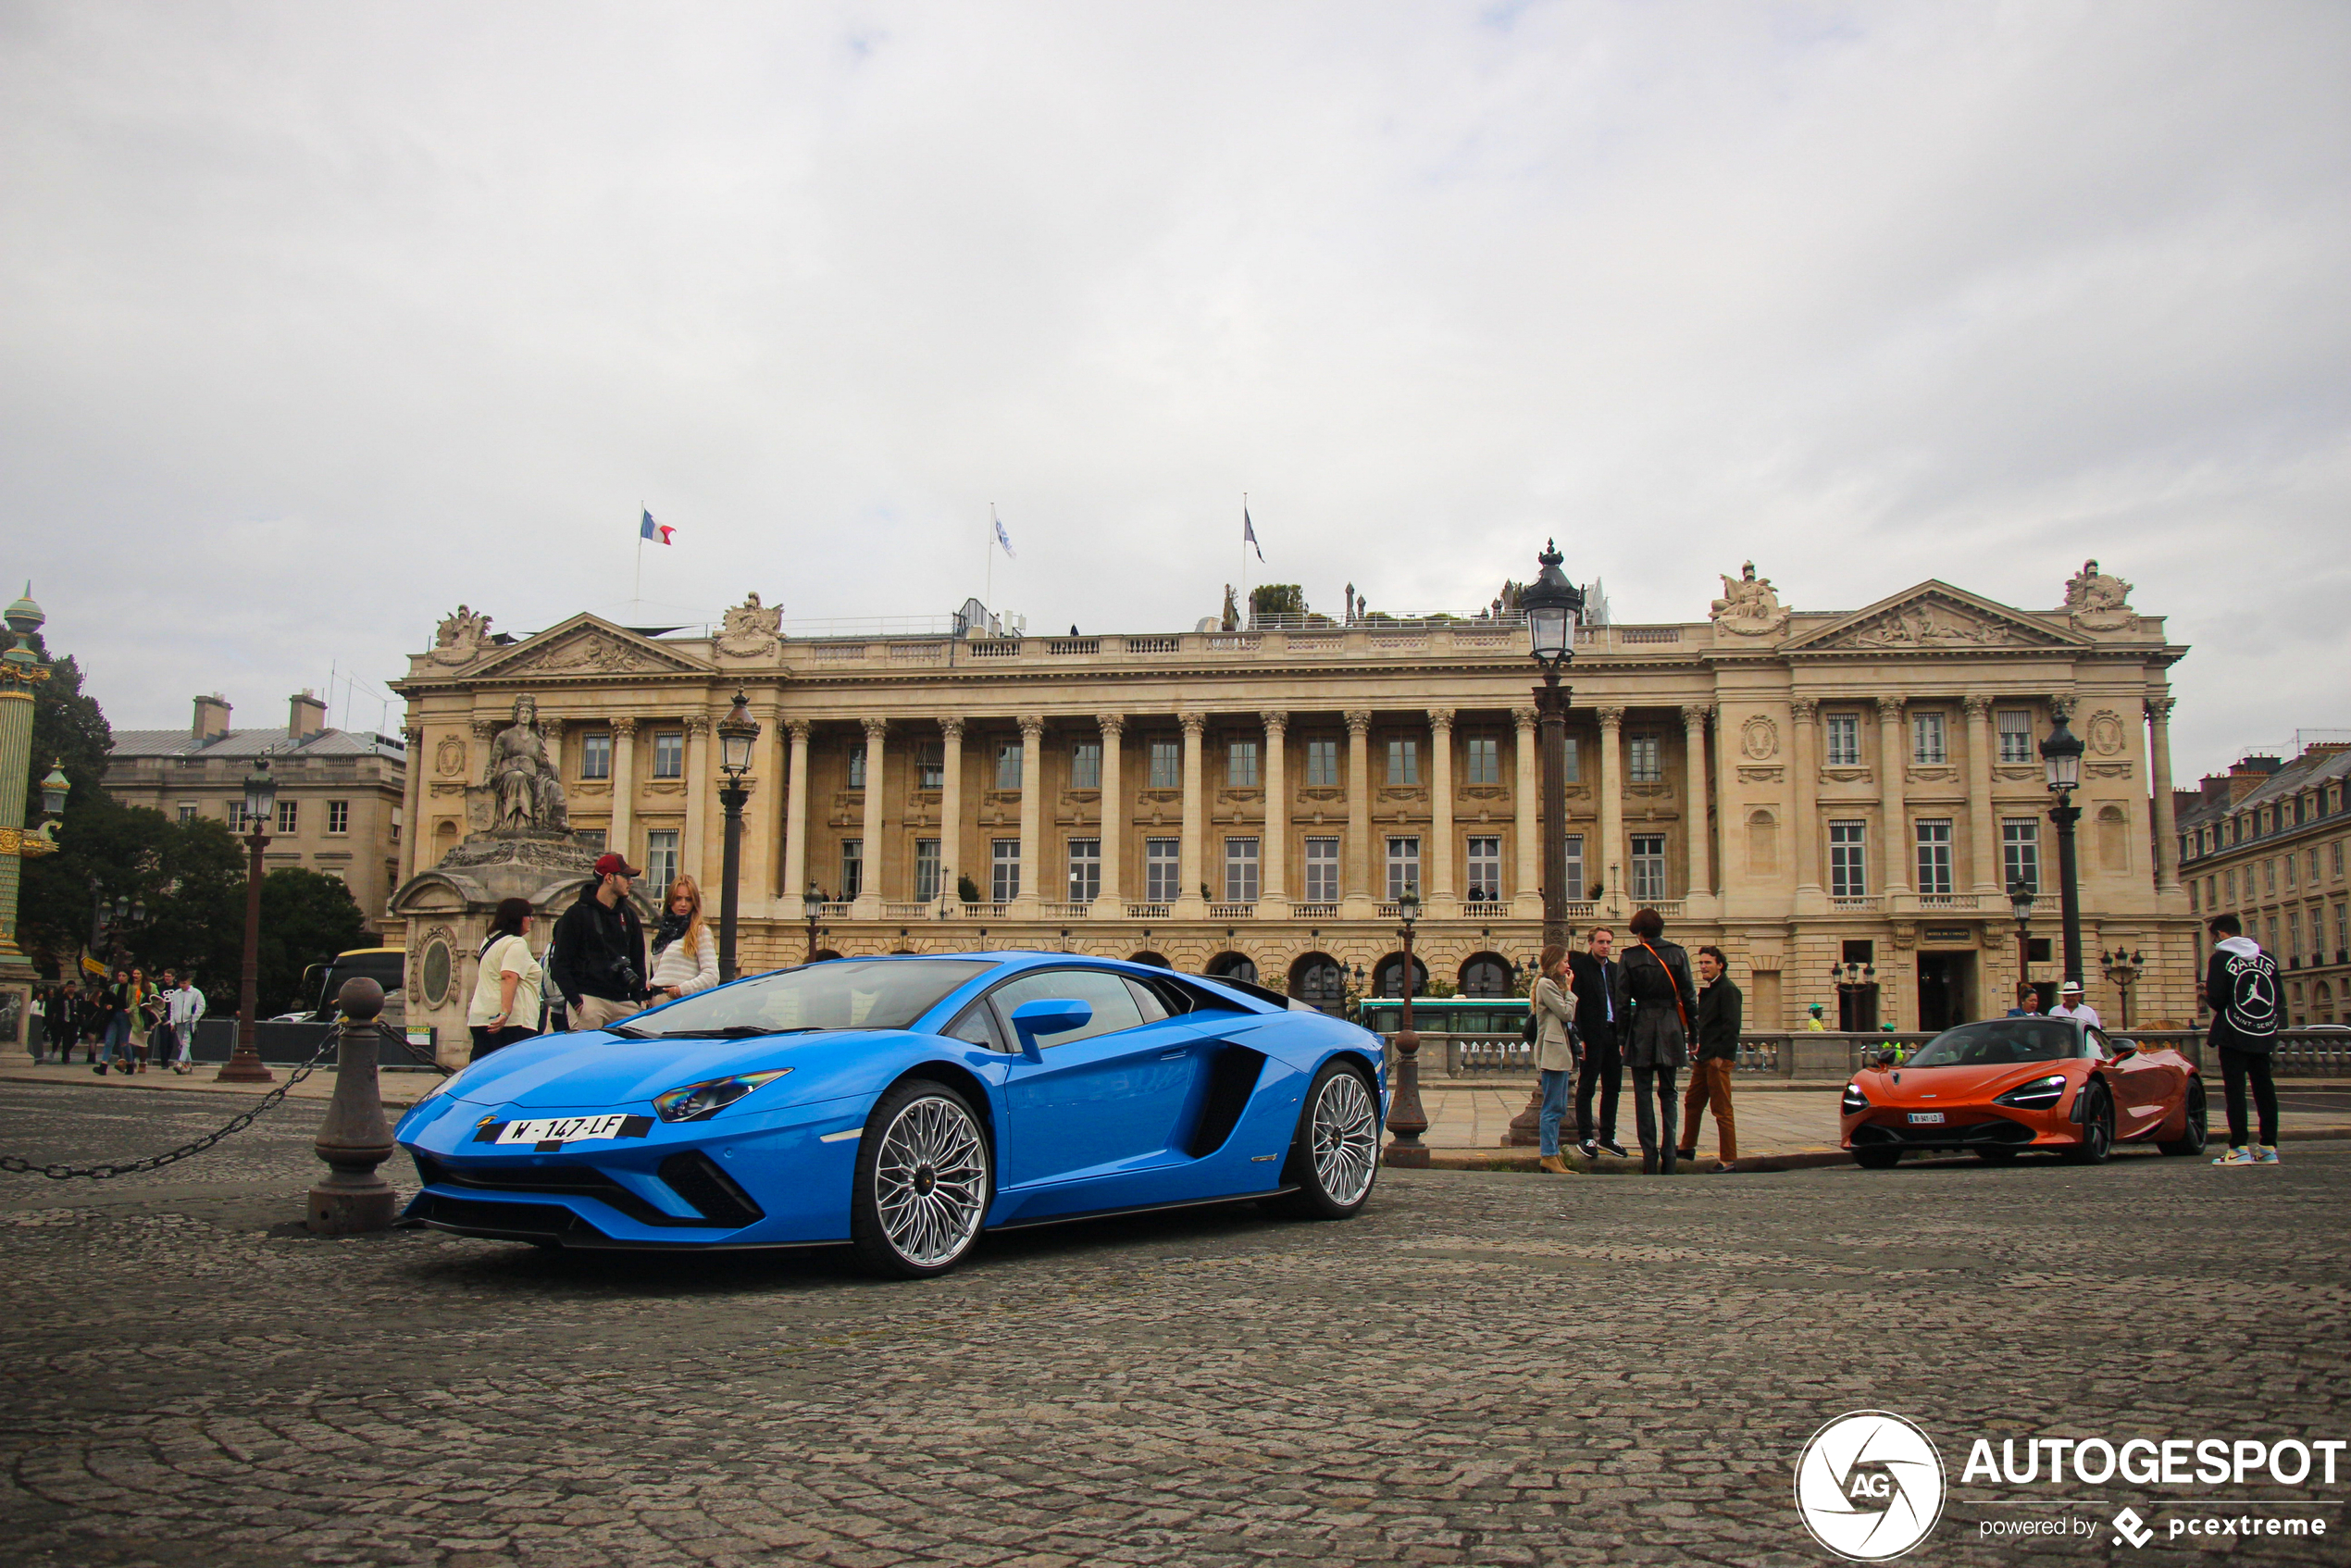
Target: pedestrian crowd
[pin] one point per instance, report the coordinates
(122, 1022)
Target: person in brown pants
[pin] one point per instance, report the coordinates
(1719, 1012)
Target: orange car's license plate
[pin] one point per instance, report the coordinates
(1919, 1116)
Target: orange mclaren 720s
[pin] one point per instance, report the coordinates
(2006, 1086)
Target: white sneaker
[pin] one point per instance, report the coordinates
(2266, 1154)
(2236, 1157)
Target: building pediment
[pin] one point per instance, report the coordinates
(587, 645)
(1934, 618)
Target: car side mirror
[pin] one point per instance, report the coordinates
(2124, 1048)
(1048, 1016)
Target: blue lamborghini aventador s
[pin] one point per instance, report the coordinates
(904, 1105)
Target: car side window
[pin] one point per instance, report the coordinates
(1148, 999)
(2098, 1049)
(977, 1025)
(1114, 1005)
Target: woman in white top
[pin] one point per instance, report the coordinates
(685, 953)
(505, 1000)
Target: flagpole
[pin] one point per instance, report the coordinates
(1243, 606)
(639, 592)
(989, 596)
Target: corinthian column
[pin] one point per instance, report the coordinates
(1114, 897)
(1611, 845)
(796, 816)
(1694, 833)
(702, 789)
(1983, 830)
(1190, 905)
(1032, 815)
(412, 795)
(1358, 904)
(1274, 860)
(869, 896)
(1892, 804)
(951, 810)
(624, 788)
(1526, 897)
(1441, 892)
(2167, 825)
(1804, 774)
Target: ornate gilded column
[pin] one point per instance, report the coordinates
(1032, 815)
(1527, 896)
(796, 816)
(2167, 823)
(1359, 900)
(1804, 774)
(22, 670)
(1191, 853)
(412, 792)
(698, 856)
(1694, 832)
(869, 897)
(1983, 828)
(624, 790)
(1441, 892)
(951, 811)
(1610, 862)
(1113, 814)
(1892, 802)
(1273, 861)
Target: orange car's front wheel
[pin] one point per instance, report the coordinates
(2098, 1126)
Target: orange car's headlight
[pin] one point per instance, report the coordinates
(2038, 1095)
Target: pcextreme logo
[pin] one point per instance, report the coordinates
(1869, 1486)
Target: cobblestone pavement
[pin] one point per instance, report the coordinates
(1484, 1369)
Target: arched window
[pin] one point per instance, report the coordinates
(1147, 957)
(1486, 974)
(1233, 966)
(1318, 980)
(1389, 978)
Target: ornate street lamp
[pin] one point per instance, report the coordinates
(1553, 603)
(1406, 1119)
(2021, 897)
(736, 733)
(2061, 760)
(812, 904)
(2123, 968)
(244, 1065)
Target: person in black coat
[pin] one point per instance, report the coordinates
(1659, 994)
(1594, 975)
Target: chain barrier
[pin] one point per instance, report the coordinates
(59, 1171)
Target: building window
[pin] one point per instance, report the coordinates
(1575, 761)
(2196, 903)
(661, 862)
(238, 821)
(1848, 860)
(1322, 763)
(1240, 766)
(2294, 939)
(187, 811)
(1844, 740)
(2270, 877)
(1649, 867)
(1008, 764)
(399, 818)
(1167, 765)
(2021, 854)
(1577, 887)
(2016, 735)
(1322, 871)
(853, 868)
(2342, 932)
(1404, 868)
(926, 870)
(1929, 742)
(288, 814)
(1403, 762)
(854, 770)
(1485, 864)
(595, 755)
(338, 818)
(2273, 935)
(1086, 765)
(1645, 766)
(930, 764)
(1482, 760)
(1003, 870)
(1162, 860)
(669, 755)
(2288, 858)
(2233, 885)
(1935, 854)
(1085, 870)
(2312, 863)
(1240, 871)
(2337, 866)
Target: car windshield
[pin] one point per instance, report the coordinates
(846, 993)
(1998, 1042)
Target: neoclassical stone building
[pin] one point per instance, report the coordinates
(1806, 789)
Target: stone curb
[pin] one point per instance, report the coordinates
(1521, 1159)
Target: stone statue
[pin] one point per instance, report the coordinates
(529, 794)
(750, 629)
(1232, 619)
(1748, 605)
(2098, 602)
(459, 638)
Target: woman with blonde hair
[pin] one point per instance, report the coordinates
(1554, 1004)
(685, 953)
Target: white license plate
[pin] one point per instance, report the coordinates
(563, 1129)
(1917, 1117)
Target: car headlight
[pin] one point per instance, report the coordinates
(2038, 1095)
(694, 1101)
(1855, 1100)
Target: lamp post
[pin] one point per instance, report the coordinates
(1553, 603)
(244, 1065)
(1405, 1117)
(2061, 760)
(2123, 968)
(736, 732)
(812, 904)
(1852, 980)
(2021, 896)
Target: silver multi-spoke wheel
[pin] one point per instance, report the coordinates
(1346, 1133)
(930, 1181)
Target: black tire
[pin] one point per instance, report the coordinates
(1334, 1155)
(925, 1178)
(1877, 1159)
(1997, 1156)
(2192, 1137)
(2097, 1128)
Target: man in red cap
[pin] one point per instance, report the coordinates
(597, 955)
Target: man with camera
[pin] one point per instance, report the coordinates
(597, 955)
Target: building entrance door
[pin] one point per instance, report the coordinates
(1943, 988)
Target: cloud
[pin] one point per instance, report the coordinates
(320, 321)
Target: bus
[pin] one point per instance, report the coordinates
(1446, 1014)
(385, 965)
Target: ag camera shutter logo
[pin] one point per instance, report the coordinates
(1869, 1486)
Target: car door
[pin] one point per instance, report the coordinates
(2142, 1086)
(1104, 1098)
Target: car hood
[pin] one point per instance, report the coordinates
(594, 1069)
(1951, 1086)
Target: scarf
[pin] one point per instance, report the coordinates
(673, 926)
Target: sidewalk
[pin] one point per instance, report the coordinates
(401, 1089)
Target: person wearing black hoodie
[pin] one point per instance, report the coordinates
(597, 954)
(2241, 987)
(1658, 992)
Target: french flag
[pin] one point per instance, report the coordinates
(658, 532)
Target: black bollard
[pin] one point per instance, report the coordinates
(355, 1138)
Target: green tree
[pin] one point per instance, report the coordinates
(306, 918)
(95, 843)
(195, 906)
(1277, 599)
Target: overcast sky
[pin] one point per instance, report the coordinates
(320, 319)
